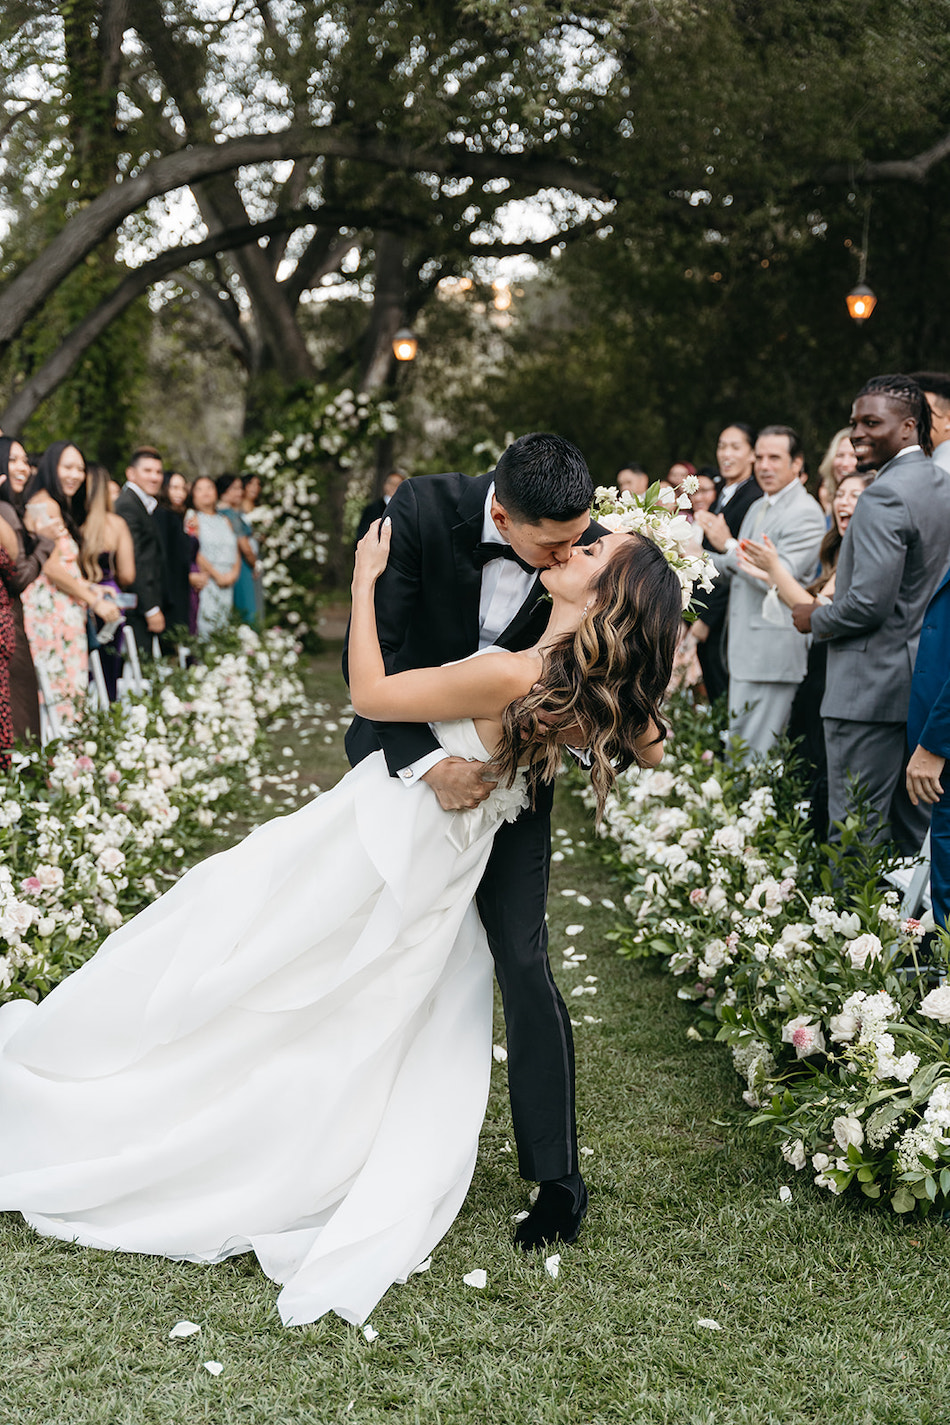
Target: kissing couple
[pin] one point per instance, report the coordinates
(289, 1051)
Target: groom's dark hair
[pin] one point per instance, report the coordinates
(543, 477)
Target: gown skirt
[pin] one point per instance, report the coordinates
(288, 1053)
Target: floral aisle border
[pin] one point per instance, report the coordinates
(94, 828)
(835, 1027)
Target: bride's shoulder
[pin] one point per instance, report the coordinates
(515, 673)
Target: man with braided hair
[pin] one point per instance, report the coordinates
(895, 551)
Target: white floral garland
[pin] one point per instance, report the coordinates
(659, 514)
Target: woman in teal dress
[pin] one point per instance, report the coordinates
(230, 502)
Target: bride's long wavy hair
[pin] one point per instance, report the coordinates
(606, 680)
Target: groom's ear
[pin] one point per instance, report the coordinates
(500, 515)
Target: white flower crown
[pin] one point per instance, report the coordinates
(657, 514)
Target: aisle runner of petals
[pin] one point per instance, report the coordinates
(837, 1031)
(94, 828)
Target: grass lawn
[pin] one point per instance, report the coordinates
(827, 1310)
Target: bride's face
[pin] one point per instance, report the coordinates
(573, 581)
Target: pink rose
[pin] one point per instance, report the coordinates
(697, 896)
(85, 764)
(32, 883)
(113, 776)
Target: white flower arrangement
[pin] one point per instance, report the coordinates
(659, 514)
(838, 1033)
(91, 829)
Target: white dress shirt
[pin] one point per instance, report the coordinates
(505, 586)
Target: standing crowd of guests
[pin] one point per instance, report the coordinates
(829, 620)
(86, 563)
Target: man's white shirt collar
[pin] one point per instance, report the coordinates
(908, 450)
(149, 501)
(774, 499)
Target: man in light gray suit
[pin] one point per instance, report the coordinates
(765, 656)
(894, 553)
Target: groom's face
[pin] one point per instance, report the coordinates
(542, 545)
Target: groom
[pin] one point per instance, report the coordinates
(463, 574)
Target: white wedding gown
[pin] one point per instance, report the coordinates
(288, 1053)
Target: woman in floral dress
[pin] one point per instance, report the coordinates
(56, 604)
(218, 557)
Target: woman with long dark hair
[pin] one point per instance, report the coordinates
(31, 555)
(57, 603)
(289, 1052)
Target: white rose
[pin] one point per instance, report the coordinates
(847, 1129)
(45, 925)
(794, 1153)
(110, 859)
(861, 950)
(711, 790)
(936, 1004)
(843, 1027)
(50, 877)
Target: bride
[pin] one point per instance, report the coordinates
(289, 1052)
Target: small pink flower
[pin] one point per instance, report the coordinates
(85, 764)
(113, 776)
(122, 806)
(802, 1037)
(32, 883)
(707, 755)
(697, 895)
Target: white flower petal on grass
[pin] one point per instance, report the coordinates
(583, 900)
(557, 855)
(183, 1328)
(214, 1368)
(506, 1147)
(499, 1054)
(568, 893)
(590, 1019)
(708, 1323)
(519, 1217)
(422, 1267)
(478, 1278)
(587, 1152)
(573, 930)
(533, 1194)
(370, 1332)
(784, 1194)
(552, 1265)
(608, 904)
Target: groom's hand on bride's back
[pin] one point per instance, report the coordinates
(458, 784)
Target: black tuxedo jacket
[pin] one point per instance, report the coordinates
(149, 560)
(427, 600)
(712, 606)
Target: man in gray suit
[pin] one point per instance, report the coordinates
(894, 552)
(765, 656)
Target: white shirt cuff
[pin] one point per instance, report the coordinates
(156, 610)
(415, 770)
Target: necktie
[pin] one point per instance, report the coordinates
(482, 553)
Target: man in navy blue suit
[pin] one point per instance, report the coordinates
(928, 732)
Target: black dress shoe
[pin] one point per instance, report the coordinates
(555, 1217)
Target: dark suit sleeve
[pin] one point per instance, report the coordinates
(935, 736)
(148, 585)
(397, 601)
(877, 532)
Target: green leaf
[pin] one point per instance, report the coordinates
(903, 1201)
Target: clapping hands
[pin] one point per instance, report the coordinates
(759, 561)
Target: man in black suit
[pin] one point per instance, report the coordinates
(136, 504)
(377, 508)
(740, 489)
(463, 574)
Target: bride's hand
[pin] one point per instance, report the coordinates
(372, 552)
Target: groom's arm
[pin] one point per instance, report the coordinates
(397, 602)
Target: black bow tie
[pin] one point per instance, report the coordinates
(482, 553)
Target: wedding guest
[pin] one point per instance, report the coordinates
(936, 388)
(376, 509)
(678, 472)
(31, 556)
(108, 560)
(760, 559)
(137, 504)
(57, 602)
(115, 490)
(735, 456)
(705, 494)
(177, 550)
(218, 557)
(766, 659)
(928, 733)
(251, 512)
(230, 501)
(9, 553)
(838, 461)
(892, 558)
(633, 478)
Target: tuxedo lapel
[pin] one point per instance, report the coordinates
(466, 534)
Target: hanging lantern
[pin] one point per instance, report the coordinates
(861, 303)
(405, 345)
